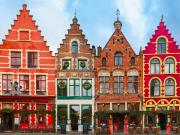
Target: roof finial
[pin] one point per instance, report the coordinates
(117, 14)
(162, 18)
(75, 13)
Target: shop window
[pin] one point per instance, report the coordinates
(24, 117)
(15, 59)
(62, 87)
(32, 59)
(62, 113)
(118, 84)
(133, 106)
(118, 107)
(155, 88)
(104, 84)
(161, 46)
(41, 118)
(86, 114)
(103, 107)
(40, 85)
(74, 87)
(24, 84)
(7, 83)
(155, 66)
(169, 66)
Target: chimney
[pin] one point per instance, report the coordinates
(93, 50)
(99, 51)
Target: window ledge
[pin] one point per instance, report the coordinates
(74, 97)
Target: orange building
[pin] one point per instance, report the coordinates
(27, 77)
(118, 81)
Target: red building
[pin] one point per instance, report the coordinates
(27, 77)
(118, 82)
(161, 86)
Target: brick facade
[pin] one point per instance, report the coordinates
(25, 61)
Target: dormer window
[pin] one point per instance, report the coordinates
(74, 47)
(161, 45)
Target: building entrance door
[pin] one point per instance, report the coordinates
(162, 120)
(74, 114)
(7, 121)
(118, 122)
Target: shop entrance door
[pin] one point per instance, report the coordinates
(118, 122)
(7, 121)
(162, 120)
(74, 114)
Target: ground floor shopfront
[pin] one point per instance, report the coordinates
(74, 114)
(26, 113)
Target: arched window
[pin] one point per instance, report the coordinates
(155, 66)
(169, 87)
(74, 47)
(155, 87)
(103, 62)
(132, 61)
(118, 59)
(161, 45)
(169, 66)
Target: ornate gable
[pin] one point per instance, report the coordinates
(75, 34)
(161, 31)
(24, 28)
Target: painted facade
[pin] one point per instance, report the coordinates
(27, 77)
(118, 81)
(161, 83)
(75, 80)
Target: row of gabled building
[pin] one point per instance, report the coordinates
(113, 86)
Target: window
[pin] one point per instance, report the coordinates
(132, 61)
(62, 87)
(118, 59)
(24, 84)
(155, 66)
(133, 106)
(169, 66)
(7, 83)
(82, 64)
(32, 59)
(40, 84)
(161, 46)
(74, 47)
(103, 62)
(103, 106)
(155, 87)
(132, 84)
(41, 118)
(169, 87)
(74, 87)
(15, 59)
(66, 64)
(24, 118)
(86, 87)
(62, 113)
(118, 84)
(86, 111)
(104, 84)
(118, 107)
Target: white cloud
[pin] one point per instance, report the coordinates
(132, 13)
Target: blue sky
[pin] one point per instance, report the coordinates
(96, 17)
